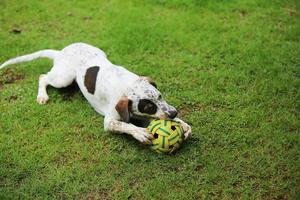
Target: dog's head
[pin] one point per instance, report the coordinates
(143, 99)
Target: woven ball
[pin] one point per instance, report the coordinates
(168, 135)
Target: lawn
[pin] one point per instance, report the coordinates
(232, 68)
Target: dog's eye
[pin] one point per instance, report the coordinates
(159, 97)
(147, 106)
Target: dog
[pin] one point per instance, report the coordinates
(116, 93)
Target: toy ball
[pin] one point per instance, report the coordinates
(168, 135)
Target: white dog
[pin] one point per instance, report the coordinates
(118, 94)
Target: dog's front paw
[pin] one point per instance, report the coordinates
(187, 130)
(142, 135)
(42, 99)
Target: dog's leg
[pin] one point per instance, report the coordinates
(58, 77)
(42, 96)
(141, 134)
(187, 128)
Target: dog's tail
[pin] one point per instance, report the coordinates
(48, 53)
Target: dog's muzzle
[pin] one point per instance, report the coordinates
(172, 114)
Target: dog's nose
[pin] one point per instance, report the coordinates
(172, 114)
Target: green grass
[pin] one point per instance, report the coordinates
(230, 67)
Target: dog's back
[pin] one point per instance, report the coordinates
(101, 82)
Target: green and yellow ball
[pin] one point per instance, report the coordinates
(168, 135)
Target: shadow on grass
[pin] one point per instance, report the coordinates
(68, 93)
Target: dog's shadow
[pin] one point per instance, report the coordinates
(67, 93)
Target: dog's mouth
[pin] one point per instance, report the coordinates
(149, 117)
(144, 120)
(140, 120)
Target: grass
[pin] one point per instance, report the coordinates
(230, 67)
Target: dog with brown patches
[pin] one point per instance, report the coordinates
(121, 96)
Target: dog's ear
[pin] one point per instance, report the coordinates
(147, 78)
(123, 107)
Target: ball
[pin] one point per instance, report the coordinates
(168, 135)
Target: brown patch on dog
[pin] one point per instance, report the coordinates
(91, 78)
(123, 107)
(10, 76)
